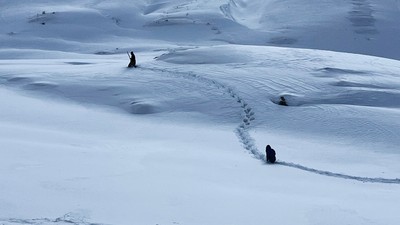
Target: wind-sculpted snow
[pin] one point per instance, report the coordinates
(248, 142)
(364, 23)
(80, 132)
(68, 218)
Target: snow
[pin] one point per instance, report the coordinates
(181, 138)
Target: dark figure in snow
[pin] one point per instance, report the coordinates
(283, 101)
(270, 152)
(132, 63)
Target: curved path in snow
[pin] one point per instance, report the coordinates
(339, 175)
(248, 141)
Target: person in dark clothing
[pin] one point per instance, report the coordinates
(270, 154)
(283, 101)
(132, 63)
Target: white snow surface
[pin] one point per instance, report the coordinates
(181, 139)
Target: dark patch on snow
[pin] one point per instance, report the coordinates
(40, 86)
(340, 71)
(290, 99)
(42, 18)
(142, 108)
(175, 20)
(343, 83)
(372, 98)
(67, 219)
(19, 80)
(105, 53)
(362, 17)
(282, 41)
(78, 63)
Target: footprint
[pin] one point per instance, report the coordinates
(247, 110)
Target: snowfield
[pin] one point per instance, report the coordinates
(181, 139)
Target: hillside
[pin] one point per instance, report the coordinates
(181, 139)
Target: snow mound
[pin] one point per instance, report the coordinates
(40, 85)
(143, 108)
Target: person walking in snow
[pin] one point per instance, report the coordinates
(132, 63)
(270, 154)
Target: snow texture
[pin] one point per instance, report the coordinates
(180, 139)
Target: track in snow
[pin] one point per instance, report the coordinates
(242, 130)
(339, 175)
(247, 114)
(69, 218)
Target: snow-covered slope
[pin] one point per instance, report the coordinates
(181, 138)
(357, 26)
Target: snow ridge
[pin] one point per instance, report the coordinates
(248, 142)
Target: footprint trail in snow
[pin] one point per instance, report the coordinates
(248, 116)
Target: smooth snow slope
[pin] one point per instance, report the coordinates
(180, 140)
